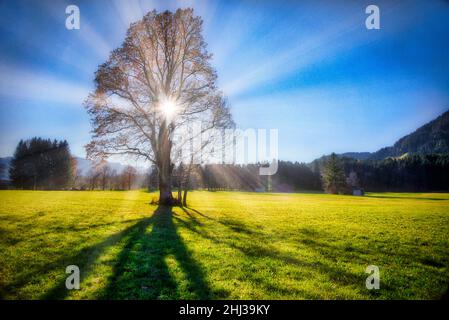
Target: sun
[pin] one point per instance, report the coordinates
(169, 107)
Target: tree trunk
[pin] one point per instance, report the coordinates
(184, 198)
(165, 195)
(165, 166)
(179, 195)
(165, 173)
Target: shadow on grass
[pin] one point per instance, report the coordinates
(142, 270)
(84, 258)
(405, 197)
(247, 241)
(445, 296)
(154, 262)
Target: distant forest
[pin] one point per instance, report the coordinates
(52, 167)
(44, 164)
(41, 164)
(416, 162)
(409, 173)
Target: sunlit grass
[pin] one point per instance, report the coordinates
(226, 245)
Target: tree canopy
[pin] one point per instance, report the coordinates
(334, 180)
(158, 84)
(41, 164)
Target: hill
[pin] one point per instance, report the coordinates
(356, 155)
(432, 137)
(4, 168)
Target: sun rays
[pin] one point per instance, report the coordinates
(169, 107)
(266, 59)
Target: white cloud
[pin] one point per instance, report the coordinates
(305, 49)
(17, 82)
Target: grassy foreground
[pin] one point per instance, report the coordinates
(226, 245)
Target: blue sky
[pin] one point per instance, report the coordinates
(307, 68)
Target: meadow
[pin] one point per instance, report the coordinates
(225, 245)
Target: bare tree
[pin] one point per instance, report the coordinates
(352, 180)
(129, 176)
(76, 172)
(105, 172)
(115, 180)
(185, 181)
(93, 175)
(152, 87)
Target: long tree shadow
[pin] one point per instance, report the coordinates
(406, 197)
(156, 264)
(247, 243)
(141, 270)
(85, 259)
(247, 240)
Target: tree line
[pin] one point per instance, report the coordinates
(333, 174)
(409, 173)
(41, 164)
(290, 177)
(47, 164)
(44, 164)
(103, 177)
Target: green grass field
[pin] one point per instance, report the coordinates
(226, 245)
